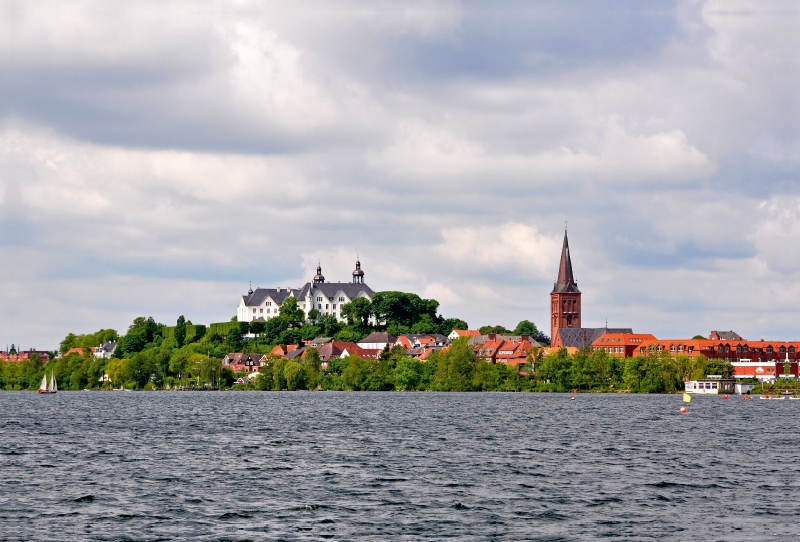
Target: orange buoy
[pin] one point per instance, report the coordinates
(683, 410)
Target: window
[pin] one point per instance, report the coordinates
(783, 349)
(769, 350)
(261, 311)
(319, 299)
(334, 306)
(269, 303)
(319, 306)
(714, 386)
(326, 306)
(254, 311)
(341, 300)
(791, 349)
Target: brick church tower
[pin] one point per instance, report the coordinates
(565, 299)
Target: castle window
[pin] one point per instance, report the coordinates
(261, 311)
(254, 311)
(334, 306)
(769, 350)
(783, 349)
(341, 300)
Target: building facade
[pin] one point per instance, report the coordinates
(327, 297)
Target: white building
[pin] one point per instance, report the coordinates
(106, 350)
(327, 297)
(712, 385)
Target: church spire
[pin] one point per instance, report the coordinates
(566, 280)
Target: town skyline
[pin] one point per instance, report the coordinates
(154, 160)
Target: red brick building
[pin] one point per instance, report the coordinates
(622, 345)
(565, 299)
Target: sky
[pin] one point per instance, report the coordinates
(155, 157)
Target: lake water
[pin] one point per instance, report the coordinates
(395, 466)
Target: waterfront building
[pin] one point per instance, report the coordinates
(712, 385)
(262, 304)
(622, 345)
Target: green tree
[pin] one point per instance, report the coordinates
(501, 330)
(291, 312)
(557, 369)
(526, 327)
(407, 374)
(454, 367)
(296, 375)
(354, 376)
(180, 330)
(357, 312)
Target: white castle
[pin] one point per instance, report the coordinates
(327, 297)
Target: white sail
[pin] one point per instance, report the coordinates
(43, 387)
(52, 383)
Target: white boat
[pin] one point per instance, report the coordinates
(45, 388)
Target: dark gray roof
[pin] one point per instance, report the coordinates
(580, 337)
(378, 337)
(728, 335)
(330, 289)
(258, 297)
(320, 340)
(297, 352)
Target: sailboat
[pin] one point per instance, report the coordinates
(52, 388)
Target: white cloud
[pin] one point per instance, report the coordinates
(509, 247)
(611, 155)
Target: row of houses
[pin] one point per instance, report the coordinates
(494, 348)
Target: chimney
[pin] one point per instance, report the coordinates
(491, 336)
(524, 337)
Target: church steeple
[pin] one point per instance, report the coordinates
(565, 283)
(565, 299)
(358, 274)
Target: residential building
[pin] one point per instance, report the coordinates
(105, 350)
(622, 345)
(459, 333)
(263, 304)
(334, 349)
(408, 341)
(508, 350)
(363, 353)
(378, 340)
(237, 361)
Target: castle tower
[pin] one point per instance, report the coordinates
(358, 274)
(565, 299)
(318, 278)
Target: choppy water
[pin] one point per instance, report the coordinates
(381, 466)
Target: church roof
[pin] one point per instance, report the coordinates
(580, 337)
(566, 280)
